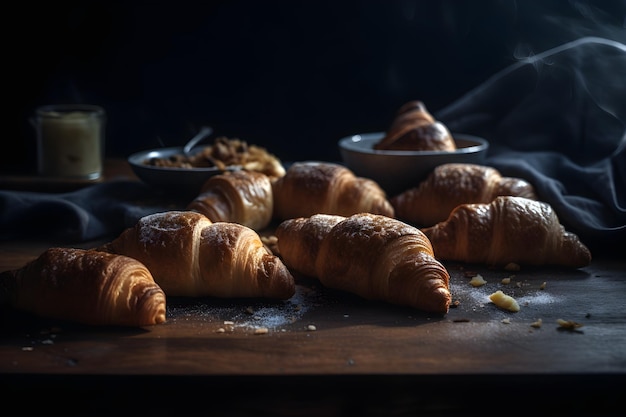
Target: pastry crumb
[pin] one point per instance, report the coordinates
(261, 330)
(477, 281)
(504, 301)
(568, 324)
(269, 240)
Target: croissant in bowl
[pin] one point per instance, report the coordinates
(415, 129)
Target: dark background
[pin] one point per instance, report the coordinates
(292, 76)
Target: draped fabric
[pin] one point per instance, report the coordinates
(558, 120)
(86, 214)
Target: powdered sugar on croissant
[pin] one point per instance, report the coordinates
(373, 256)
(189, 255)
(242, 196)
(450, 185)
(310, 188)
(507, 230)
(85, 286)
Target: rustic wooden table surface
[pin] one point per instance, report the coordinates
(331, 353)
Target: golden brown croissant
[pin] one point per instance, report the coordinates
(309, 188)
(189, 255)
(450, 185)
(243, 197)
(415, 129)
(85, 286)
(373, 256)
(507, 230)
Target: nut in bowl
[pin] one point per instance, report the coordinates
(176, 171)
(396, 171)
(181, 180)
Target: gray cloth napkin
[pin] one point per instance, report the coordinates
(558, 120)
(90, 213)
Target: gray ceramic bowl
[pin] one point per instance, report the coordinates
(182, 181)
(397, 171)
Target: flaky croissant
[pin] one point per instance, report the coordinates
(242, 196)
(372, 256)
(85, 286)
(309, 188)
(189, 255)
(450, 185)
(415, 129)
(507, 230)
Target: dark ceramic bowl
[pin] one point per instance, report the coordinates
(183, 181)
(397, 171)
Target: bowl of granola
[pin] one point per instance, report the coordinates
(170, 169)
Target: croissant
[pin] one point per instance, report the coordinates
(370, 255)
(242, 196)
(507, 230)
(189, 255)
(309, 188)
(452, 184)
(85, 286)
(415, 129)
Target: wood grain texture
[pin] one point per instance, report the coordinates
(350, 335)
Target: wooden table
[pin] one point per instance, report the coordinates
(331, 353)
